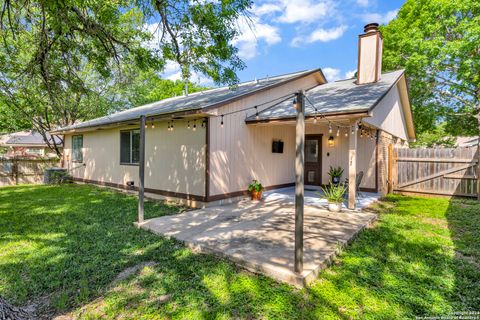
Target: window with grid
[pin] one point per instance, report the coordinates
(129, 146)
(77, 146)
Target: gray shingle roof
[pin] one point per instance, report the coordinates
(343, 96)
(28, 138)
(192, 102)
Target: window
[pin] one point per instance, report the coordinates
(77, 146)
(130, 147)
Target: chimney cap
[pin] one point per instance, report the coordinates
(371, 27)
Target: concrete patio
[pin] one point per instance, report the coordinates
(259, 236)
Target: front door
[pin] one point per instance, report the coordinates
(313, 160)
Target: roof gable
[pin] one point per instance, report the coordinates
(343, 97)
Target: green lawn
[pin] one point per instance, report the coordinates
(64, 246)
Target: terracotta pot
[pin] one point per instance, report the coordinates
(335, 206)
(256, 195)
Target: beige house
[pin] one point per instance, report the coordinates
(207, 147)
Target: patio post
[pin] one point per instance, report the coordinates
(299, 180)
(141, 170)
(352, 167)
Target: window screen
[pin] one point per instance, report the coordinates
(77, 145)
(130, 146)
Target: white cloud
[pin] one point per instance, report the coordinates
(320, 34)
(252, 32)
(362, 3)
(380, 18)
(266, 9)
(350, 74)
(332, 74)
(304, 11)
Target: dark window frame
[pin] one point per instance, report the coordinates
(74, 158)
(131, 163)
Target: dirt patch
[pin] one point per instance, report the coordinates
(132, 270)
(436, 222)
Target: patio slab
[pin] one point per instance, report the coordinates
(259, 236)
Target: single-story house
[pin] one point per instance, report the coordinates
(28, 144)
(466, 142)
(207, 147)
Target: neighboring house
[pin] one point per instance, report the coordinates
(466, 142)
(28, 144)
(207, 147)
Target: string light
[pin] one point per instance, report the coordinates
(315, 119)
(329, 127)
(295, 102)
(256, 113)
(171, 126)
(221, 122)
(153, 125)
(194, 125)
(346, 133)
(353, 130)
(338, 131)
(188, 125)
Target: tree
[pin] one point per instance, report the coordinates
(438, 43)
(61, 61)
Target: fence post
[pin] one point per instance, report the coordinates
(15, 170)
(390, 168)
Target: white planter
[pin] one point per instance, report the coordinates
(335, 206)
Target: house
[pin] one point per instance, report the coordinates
(28, 144)
(205, 148)
(466, 142)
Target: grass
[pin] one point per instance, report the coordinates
(63, 248)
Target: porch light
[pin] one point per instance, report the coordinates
(331, 142)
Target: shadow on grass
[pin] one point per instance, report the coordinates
(69, 243)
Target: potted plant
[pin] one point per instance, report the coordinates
(335, 174)
(255, 188)
(334, 194)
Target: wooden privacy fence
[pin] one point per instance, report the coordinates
(20, 171)
(448, 172)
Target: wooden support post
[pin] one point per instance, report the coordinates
(352, 167)
(299, 180)
(390, 168)
(141, 171)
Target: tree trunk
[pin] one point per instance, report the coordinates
(9, 312)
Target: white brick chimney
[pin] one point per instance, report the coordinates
(370, 47)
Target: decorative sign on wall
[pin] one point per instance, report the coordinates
(277, 146)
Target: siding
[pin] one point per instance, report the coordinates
(388, 115)
(175, 160)
(240, 152)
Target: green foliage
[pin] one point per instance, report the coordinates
(255, 185)
(437, 42)
(69, 243)
(334, 192)
(68, 61)
(436, 137)
(147, 86)
(335, 172)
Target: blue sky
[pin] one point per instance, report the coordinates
(294, 35)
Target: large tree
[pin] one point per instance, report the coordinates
(61, 61)
(438, 43)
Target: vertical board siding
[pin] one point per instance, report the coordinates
(450, 171)
(241, 152)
